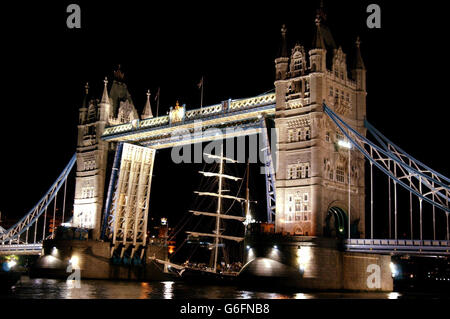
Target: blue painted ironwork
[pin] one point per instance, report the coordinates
(422, 168)
(269, 173)
(337, 120)
(244, 129)
(111, 189)
(265, 103)
(383, 140)
(31, 217)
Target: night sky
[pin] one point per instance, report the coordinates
(46, 65)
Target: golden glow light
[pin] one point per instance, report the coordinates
(74, 261)
(54, 251)
(303, 257)
(248, 219)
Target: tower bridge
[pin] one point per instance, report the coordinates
(164, 131)
(316, 188)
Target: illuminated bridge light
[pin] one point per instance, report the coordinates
(74, 261)
(394, 270)
(345, 144)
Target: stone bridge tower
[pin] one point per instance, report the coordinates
(92, 153)
(312, 177)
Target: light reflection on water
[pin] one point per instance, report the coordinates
(168, 289)
(102, 289)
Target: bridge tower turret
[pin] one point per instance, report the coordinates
(281, 63)
(312, 177)
(317, 55)
(359, 75)
(92, 155)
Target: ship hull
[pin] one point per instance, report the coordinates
(198, 276)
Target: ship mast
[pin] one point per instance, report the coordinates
(218, 214)
(219, 209)
(247, 199)
(247, 192)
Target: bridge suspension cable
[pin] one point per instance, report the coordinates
(401, 168)
(14, 234)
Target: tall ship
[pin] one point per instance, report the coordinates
(224, 241)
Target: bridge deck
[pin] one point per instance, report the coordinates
(376, 246)
(399, 246)
(157, 132)
(21, 249)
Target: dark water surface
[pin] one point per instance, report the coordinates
(39, 288)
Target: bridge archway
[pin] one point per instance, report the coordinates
(298, 231)
(336, 222)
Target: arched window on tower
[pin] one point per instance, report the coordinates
(290, 135)
(339, 64)
(307, 170)
(298, 209)
(300, 135)
(92, 112)
(299, 171)
(307, 133)
(340, 174)
(298, 59)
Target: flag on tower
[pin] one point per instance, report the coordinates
(157, 103)
(200, 84)
(157, 95)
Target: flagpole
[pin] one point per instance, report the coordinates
(157, 102)
(201, 99)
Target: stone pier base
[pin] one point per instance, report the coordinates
(315, 264)
(94, 261)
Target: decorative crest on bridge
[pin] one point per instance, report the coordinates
(177, 113)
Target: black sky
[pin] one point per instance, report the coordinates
(232, 44)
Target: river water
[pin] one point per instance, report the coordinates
(38, 288)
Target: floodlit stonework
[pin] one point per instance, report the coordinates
(312, 177)
(115, 107)
(313, 173)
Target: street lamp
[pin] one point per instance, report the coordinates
(348, 145)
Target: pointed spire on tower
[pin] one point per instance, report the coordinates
(105, 97)
(118, 74)
(318, 42)
(321, 12)
(359, 63)
(147, 112)
(86, 94)
(283, 49)
(282, 61)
